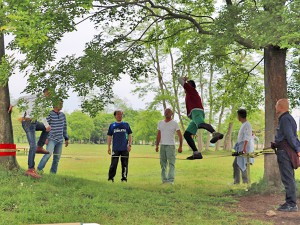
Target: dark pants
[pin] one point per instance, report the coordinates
(236, 173)
(287, 177)
(30, 128)
(114, 164)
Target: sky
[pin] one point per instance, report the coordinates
(74, 43)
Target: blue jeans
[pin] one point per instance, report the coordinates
(287, 177)
(30, 128)
(54, 147)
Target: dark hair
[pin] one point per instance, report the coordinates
(242, 113)
(118, 110)
(45, 90)
(192, 83)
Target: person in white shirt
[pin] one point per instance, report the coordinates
(166, 138)
(243, 146)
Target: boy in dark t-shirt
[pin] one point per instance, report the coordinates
(195, 112)
(120, 134)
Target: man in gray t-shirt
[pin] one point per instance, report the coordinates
(166, 138)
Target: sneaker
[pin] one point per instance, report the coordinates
(32, 172)
(216, 136)
(288, 208)
(196, 155)
(41, 150)
(111, 179)
(124, 179)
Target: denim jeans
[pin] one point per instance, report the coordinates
(167, 156)
(55, 148)
(287, 177)
(30, 128)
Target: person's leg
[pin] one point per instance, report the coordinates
(113, 165)
(236, 172)
(56, 157)
(190, 131)
(163, 163)
(171, 157)
(29, 129)
(287, 177)
(44, 134)
(45, 158)
(245, 176)
(124, 163)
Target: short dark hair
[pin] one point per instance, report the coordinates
(242, 113)
(192, 83)
(118, 110)
(45, 90)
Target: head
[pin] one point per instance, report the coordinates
(192, 83)
(118, 115)
(46, 92)
(242, 114)
(282, 106)
(58, 106)
(168, 113)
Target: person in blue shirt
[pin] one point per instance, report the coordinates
(120, 136)
(286, 137)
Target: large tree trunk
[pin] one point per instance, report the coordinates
(6, 131)
(275, 88)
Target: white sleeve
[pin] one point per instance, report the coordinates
(248, 133)
(181, 81)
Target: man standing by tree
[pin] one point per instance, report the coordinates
(120, 134)
(243, 145)
(30, 126)
(288, 151)
(195, 112)
(165, 137)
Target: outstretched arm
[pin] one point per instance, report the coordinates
(182, 80)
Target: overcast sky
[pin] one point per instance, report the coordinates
(74, 43)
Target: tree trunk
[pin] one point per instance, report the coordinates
(219, 127)
(6, 131)
(227, 139)
(210, 106)
(275, 88)
(175, 89)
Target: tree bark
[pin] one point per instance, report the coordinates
(6, 131)
(210, 105)
(217, 147)
(227, 139)
(275, 88)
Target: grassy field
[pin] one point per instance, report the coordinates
(203, 192)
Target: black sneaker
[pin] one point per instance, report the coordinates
(124, 179)
(216, 136)
(288, 208)
(196, 155)
(111, 179)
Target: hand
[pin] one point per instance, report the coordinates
(10, 108)
(273, 145)
(156, 148)
(48, 128)
(298, 153)
(244, 151)
(179, 149)
(47, 141)
(66, 143)
(109, 151)
(129, 148)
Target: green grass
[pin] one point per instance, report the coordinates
(80, 192)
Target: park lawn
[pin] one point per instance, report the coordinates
(80, 192)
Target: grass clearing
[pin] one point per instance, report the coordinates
(80, 192)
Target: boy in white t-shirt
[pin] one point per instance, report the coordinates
(166, 138)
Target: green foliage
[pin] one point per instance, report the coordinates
(6, 69)
(146, 125)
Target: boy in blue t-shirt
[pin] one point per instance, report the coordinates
(119, 133)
